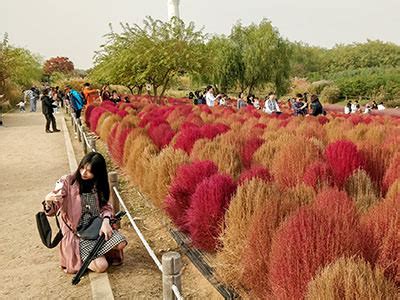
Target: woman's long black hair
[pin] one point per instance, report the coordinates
(98, 168)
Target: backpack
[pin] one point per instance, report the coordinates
(45, 231)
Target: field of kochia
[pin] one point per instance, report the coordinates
(292, 207)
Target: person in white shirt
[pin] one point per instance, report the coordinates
(347, 108)
(271, 105)
(256, 103)
(367, 109)
(355, 107)
(210, 99)
(381, 106)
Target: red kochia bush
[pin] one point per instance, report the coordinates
(207, 208)
(382, 227)
(95, 116)
(118, 144)
(210, 131)
(187, 137)
(88, 112)
(255, 172)
(161, 134)
(183, 186)
(318, 174)
(250, 146)
(343, 159)
(310, 240)
(392, 173)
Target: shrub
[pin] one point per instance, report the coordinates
(249, 147)
(95, 116)
(394, 190)
(310, 240)
(183, 186)
(161, 171)
(351, 278)
(116, 142)
(107, 126)
(318, 86)
(392, 173)
(187, 137)
(207, 208)
(343, 159)
(360, 188)
(223, 154)
(290, 162)
(255, 172)
(250, 197)
(382, 226)
(318, 175)
(330, 94)
(161, 134)
(255, 261)
(212, 130)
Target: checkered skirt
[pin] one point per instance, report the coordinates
(91, 209)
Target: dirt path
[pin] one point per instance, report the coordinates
(30, 162)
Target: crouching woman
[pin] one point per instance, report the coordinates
(78, 198)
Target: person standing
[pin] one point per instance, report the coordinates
(47, 110)
(30, 96)
(316, 106)
(76, 101)
(210, 98)
(90, 95)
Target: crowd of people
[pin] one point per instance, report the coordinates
(299, 105)
(355, 107)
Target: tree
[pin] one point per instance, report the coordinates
(58, 64)
(154, 54)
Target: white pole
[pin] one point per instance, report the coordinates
(173, 9)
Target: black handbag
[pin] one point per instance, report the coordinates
(91, 231)
(45, 232)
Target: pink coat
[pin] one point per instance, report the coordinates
(70, 213)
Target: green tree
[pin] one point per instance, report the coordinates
(265, 56)
(155, 54)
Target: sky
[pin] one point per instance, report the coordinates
(76, 28)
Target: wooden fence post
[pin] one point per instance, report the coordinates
(92, 142)
(113, 180)
(172, 272)
(85, 148)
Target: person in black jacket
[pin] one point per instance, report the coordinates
(316, 106)
(47, 110)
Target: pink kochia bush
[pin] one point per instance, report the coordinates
(116, 142)
(207, 208)
(312, 239)
(212, 130)
(318, 174)
(161, 134)
(186, 138)
(343, 158)
(255, 172)
(182, 188)
(250, 146)
(95, 116)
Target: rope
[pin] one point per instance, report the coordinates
(138, 232)
(176, 292)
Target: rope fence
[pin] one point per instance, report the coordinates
(171, 265)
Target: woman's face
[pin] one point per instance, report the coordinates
(86, 172)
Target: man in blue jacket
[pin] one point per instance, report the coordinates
(76, 101)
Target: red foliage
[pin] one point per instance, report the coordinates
(210, 131)
(343, 159)
(318, 174)
(95, 116)
(311, 239)
(207, 208)
(249, 147)
(116, 143)
(161, 134)
(255, 172)
(187, 137)
(381, 225)
(183, 186)
(392, 173)
(323, 120)
(88, 112)
(58, 64)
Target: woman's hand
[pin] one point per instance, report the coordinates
(52, 197)
(106, 229)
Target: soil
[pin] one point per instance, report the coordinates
(30, 163)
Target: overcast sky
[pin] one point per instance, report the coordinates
(75, 28)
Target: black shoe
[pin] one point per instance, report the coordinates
(48, 131)
(56, 130)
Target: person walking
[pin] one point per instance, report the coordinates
(78, 199)
(76, 101)
(31, 97)
(48, 110)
